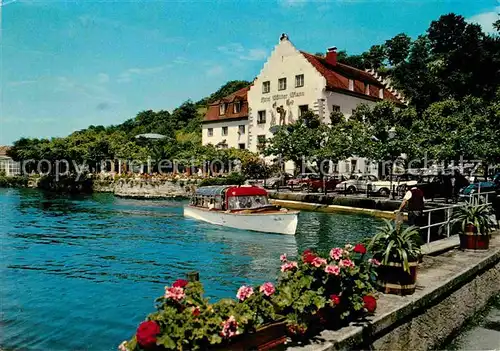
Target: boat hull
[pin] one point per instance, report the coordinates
(279, 222)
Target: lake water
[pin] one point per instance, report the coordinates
(80, 272)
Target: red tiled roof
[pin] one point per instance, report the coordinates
(3, 150)
(337, 78)
(213, 108)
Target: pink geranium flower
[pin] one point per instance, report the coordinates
(346, 263)
(374, 262)
(332, 269)
(244, 292)
(174, 293)
(229, 328)
(336, 253)
(283, 257)
(289, 266)
(318, 262)
(267, 289)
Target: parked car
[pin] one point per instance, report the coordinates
(357, 183)
(296, 182)
(279, 180)
(319, 185)
(271, 182)
(482, 187)
(441, 185)
(400, 183)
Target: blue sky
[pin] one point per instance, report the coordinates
(69, 64)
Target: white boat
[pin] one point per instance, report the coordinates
(242, 207)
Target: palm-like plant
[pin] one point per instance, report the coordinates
(474, 214)
(392, 244)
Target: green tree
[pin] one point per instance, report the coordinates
(398, 48)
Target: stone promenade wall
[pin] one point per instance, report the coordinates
(451, 288)
(145, 188)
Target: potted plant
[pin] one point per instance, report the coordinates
(312, 293)
(397, 251)
(475, 225)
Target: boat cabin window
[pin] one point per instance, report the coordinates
(247, 202)
(210, 202)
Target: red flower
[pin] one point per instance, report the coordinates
(308, 256)
(196, 311)
(146, 334)
(370, 303)
(360, 248)
(335, 299)
(180, 283)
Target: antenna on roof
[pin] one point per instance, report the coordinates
(283, 36)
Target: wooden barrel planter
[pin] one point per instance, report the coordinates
(392, 278)
(265, 338)
(472, 240)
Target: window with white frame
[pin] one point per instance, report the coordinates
(335, 108)
(299, 80)
(261, 117)
(224, 131)
(266, 87)
(241, 146)
(210, 132)
(237, 107)
(351, 85)
(282, 84)
(241, 129)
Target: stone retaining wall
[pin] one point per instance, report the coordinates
(451, 288)
(144, 188)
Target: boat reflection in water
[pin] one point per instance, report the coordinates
(242, 207)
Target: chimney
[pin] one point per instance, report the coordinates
(331, 55)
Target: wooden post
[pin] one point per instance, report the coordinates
(399, 219)
(193, 276)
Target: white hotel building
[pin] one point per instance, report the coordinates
(292, 82)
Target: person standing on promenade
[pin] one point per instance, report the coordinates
(414, 198)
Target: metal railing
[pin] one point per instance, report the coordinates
(449, 211)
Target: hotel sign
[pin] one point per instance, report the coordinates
(282, 96)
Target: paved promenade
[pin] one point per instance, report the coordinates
(483, 333)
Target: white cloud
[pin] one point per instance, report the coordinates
(127, 75)
(102, 78)
(486, 19)
(215, 71)
(255, 54)
(292, 3)
(22, 82)
(90, 90)
(236, 50)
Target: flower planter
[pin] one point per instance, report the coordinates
(392, 278)
(265, 338)
(471, 240)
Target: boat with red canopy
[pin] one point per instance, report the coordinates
(243, 207)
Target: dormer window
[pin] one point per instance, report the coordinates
(222, 109)
(351, 85)
(237, 107)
